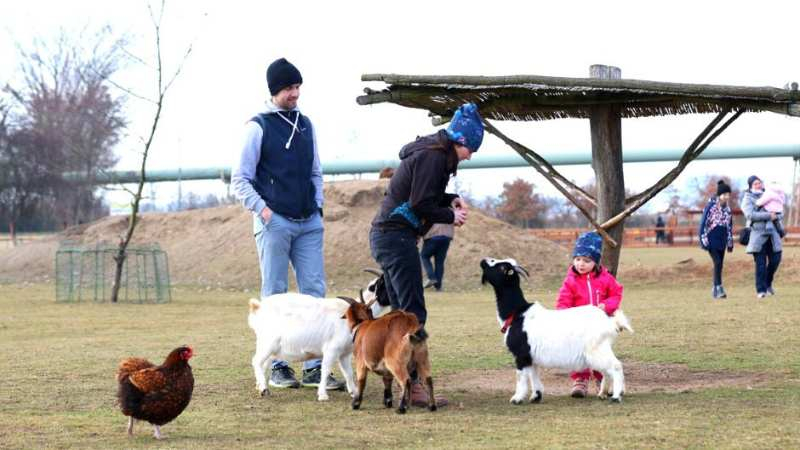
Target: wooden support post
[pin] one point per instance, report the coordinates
(606, 130)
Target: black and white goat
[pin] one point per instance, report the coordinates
(376, 294)
(572, 339)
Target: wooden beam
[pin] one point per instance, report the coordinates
(605, 124)
(772, 94)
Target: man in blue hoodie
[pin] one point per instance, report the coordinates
(278, 177)
(414, 201)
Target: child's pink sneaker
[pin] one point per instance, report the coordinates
(579, 389)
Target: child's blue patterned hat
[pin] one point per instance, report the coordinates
(466, 127)
(589, 244)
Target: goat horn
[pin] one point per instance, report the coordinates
(375, 272)
(349, 300)
(361, 295)
(369, 305)
(521, 270)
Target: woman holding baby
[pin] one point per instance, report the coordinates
(763, 210)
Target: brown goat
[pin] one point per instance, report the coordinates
(390, 346)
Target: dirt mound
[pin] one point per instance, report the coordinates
(692, 272)
(215, 247)
(639, 378)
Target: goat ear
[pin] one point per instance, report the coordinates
(483, 279)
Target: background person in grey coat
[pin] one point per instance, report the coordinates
(765, 242)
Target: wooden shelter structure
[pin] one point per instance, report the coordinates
(604, 98)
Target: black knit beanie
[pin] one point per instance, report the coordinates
(280, 74)
(723, 188)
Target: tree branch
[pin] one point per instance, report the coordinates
(519, 148)
(692, 152)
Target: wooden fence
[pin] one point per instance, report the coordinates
(22, 238)
(681, 236)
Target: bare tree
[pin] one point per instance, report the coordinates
(68, 112)
(25, 168)
(162, 86)
(703, 188)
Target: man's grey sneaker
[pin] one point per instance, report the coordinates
(721, 292)
(311, 378)
(283, 377)
(770, 291)
(761, 295)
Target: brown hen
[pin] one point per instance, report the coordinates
(156, 394)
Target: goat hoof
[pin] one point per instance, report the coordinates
(401, 410)
(356, 405)
(516, 401)
(264, 392)
(323, 399)
(432, 408)
(615, 400)
(537, 398)
(387, 403)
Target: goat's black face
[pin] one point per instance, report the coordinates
(501, 272)
(377, 287)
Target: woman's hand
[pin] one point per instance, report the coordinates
(459, 216)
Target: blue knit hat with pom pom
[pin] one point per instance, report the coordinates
(589, 244)
(466, 127)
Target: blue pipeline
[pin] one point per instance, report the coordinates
(484, 160)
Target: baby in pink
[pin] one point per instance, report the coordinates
(772, 200)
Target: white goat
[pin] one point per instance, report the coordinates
(572, 339)
(297, 327)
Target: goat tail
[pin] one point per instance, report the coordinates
(251, 318)
(254, 305)
(621, 321)
(418, 336)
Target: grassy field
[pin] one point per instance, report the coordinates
(58, 390)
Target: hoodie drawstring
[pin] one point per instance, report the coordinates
(294, 128)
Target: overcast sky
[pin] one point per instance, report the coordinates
(332, 43)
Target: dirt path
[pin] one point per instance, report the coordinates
(639, 378)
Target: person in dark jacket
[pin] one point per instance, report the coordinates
(434, 246)
(414, 201)
(278, 178)
(716, 233)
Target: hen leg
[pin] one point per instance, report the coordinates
(157, 432)
(130, 426)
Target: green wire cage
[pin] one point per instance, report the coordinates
(86, 273)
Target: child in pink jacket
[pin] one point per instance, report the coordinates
(588, 283)
(772, 200)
